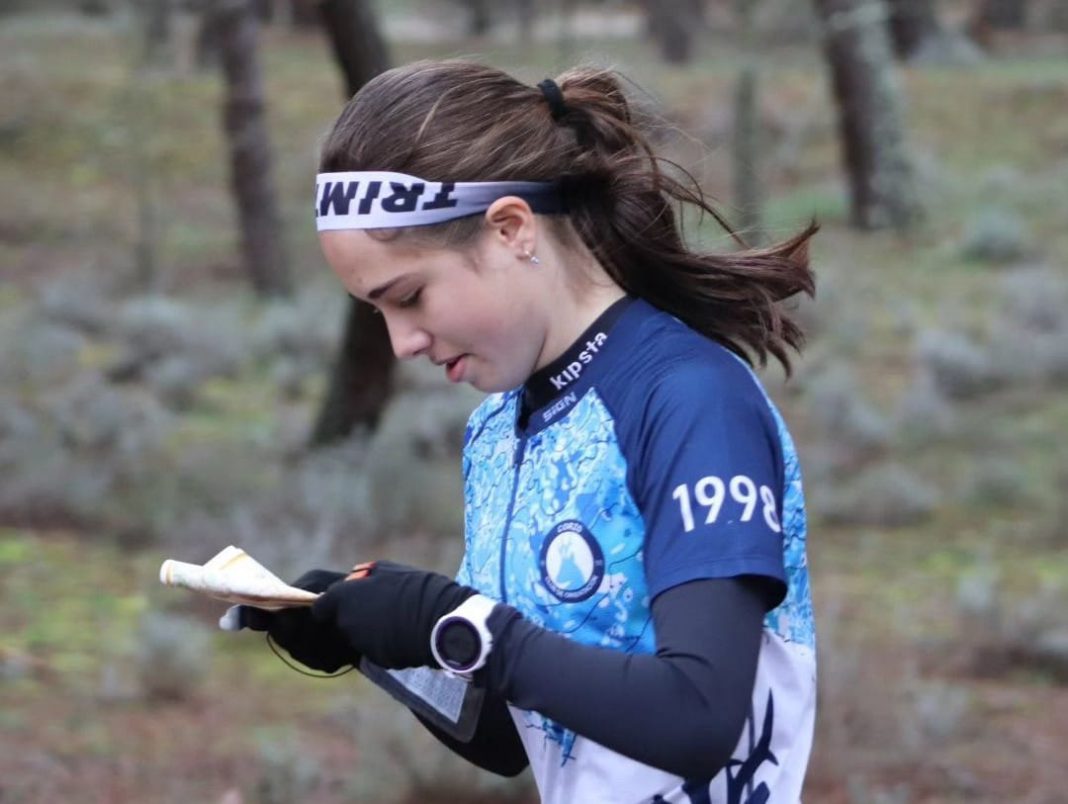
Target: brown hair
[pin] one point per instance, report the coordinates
(463, 121)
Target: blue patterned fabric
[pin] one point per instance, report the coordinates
(662, 461)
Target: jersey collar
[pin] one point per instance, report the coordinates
(555, 380)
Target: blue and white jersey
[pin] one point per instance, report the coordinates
(658, 460)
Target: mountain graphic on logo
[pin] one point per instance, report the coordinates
(569, 575)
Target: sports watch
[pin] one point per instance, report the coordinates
(461, 640)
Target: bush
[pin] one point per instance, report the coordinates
(837, 403)
(315, 513)
(998, 481)
(959, 367)
(401, 761)
(151, 328)
(886, 494)
(77, 304)
(286, 772)
(924, 411)
(416, 483)
(996, 235)
(43, 354)
(173, 656)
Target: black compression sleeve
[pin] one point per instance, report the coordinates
(495, 746)
(681, 710)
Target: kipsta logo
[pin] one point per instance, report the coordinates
(572, 563)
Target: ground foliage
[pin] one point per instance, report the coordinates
(153, 408)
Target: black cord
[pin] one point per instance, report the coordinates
(292, 666)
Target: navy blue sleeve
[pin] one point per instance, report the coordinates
(495, 746)
(709, 476)
(686, 705)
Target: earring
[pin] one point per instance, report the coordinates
(532, 257)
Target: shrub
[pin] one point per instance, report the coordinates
(924, 411)
(316, 512)
(286, 772)
(307, 327)
(996, 235)
(998, 481)
(76, 303)
(151, 328)
(837, 403)
(885, 494)
(416, 482)
(1035, 299)
(959, 367)
(173, 656)
(401, 761)
(44, 354)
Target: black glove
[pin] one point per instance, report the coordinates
(388, 615)
(313, 643)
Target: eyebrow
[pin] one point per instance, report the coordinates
(377, 292)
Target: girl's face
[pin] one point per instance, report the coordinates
(477, 313)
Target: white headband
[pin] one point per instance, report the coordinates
(379, 200)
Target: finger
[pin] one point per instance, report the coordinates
(255, 619)
(325, 607)
(231, 619)
(361, 571)
(318, 580)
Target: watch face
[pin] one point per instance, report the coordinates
(458, 644)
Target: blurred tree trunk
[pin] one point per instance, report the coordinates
(912, 23)
(870, 113)
(1003, 14)
(157, 27)
(526, 13)
(264, 10)
(362, 379)
(304, 13)
(1058, 15)
(747, 151)
(251, 173)
(479, 18)
(672, 25)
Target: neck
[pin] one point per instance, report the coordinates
(573, 315)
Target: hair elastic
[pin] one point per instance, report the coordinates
(554, 96)
(383, 200)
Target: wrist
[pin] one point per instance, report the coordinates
(461, 641)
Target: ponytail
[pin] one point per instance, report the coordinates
(460, 121)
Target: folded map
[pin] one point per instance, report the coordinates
(237, 577)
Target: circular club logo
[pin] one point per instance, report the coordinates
(572, 564)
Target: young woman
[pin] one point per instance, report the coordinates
(634, 595)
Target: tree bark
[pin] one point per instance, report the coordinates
(526, 13)
(157, 28)
(870, 113)
(747, 140)
(479, 19)
(304, 13)
(1003, 14)
(912, 23)
(361, 382)
(672, 24)
(251, 173)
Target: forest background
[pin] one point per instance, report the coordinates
(159, 400)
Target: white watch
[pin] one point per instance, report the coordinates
(461, 640)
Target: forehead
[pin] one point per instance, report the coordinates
(363, 263)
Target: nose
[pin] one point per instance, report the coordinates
(407, 339)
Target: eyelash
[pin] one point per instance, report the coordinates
(410, 300)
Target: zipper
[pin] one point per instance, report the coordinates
(516, 462)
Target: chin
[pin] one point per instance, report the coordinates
(494, 386)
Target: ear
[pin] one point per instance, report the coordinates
(511, 221)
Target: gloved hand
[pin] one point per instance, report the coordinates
(314, 643)
(388, 615)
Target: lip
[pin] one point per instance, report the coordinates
(454, 368)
